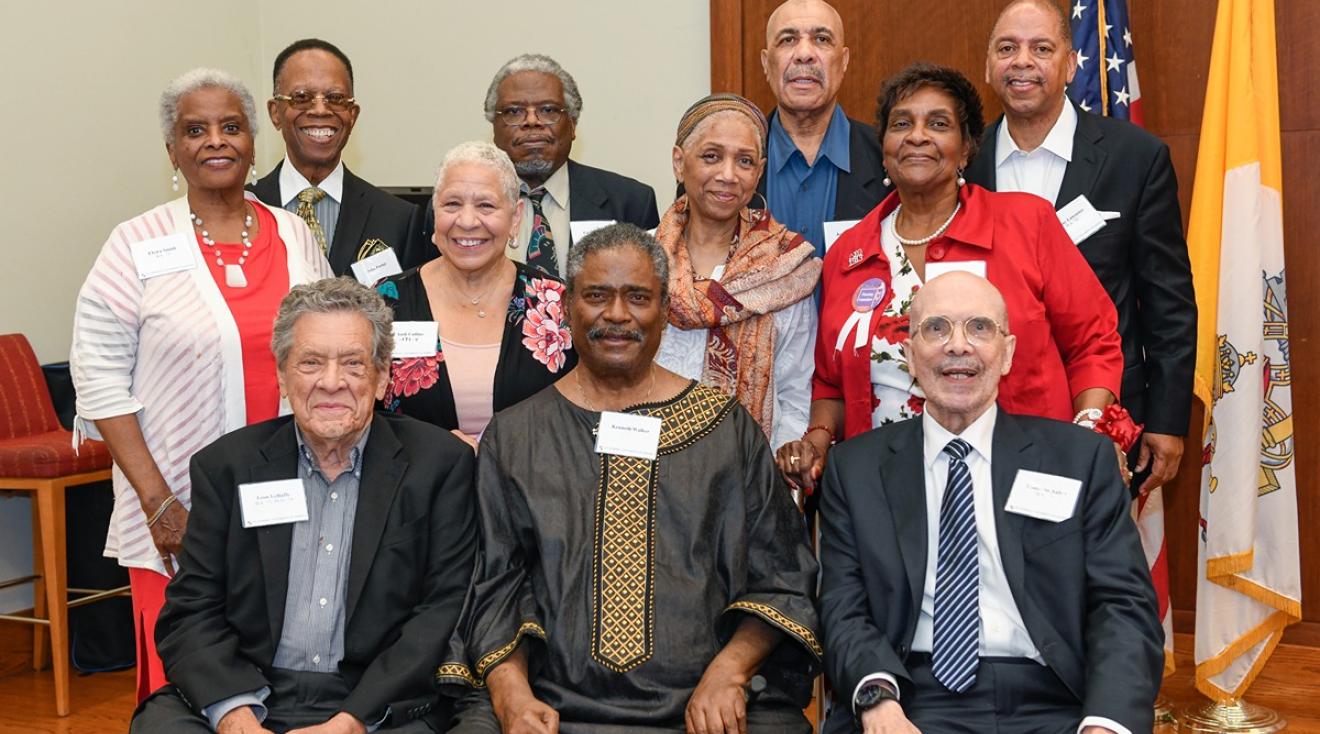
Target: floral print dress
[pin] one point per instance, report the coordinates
(894, 394)
(535, 349)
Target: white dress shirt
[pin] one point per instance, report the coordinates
(1040, 171)
(1002, 631)
(292, 183)
(683, 351)
(555, 206)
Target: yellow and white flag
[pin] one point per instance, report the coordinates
(1250, 584)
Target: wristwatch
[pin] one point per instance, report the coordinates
(871, 695)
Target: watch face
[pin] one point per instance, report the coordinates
(872, 695)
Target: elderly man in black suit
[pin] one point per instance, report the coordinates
(327, 553)
(980, 570)
(1047, 146)
(313, 108)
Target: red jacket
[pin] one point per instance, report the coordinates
(1066, 326)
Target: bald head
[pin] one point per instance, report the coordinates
(803, 8)
(804, 59)
(956, 292)
(1051, 7)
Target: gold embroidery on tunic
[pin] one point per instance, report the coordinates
(781, 620)
(489, 659)
(623, 613)
(459, 671)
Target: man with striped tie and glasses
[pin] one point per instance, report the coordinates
(986, 574)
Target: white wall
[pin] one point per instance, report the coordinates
(82, 149)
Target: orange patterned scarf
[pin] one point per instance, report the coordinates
(769, 268)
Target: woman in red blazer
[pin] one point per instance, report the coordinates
(1068, 355)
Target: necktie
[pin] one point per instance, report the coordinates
(307, 198)
(957, 621)
(541, 247)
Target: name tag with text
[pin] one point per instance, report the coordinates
(272, 503)
(414, 339)
(163, 255)
(625, 434)
(1043, 496)
(370, 270)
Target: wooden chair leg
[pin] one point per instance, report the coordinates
(39, 631)
(50, 498)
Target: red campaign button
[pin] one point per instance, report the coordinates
(937, 252)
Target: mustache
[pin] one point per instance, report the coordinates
(1033, 78)
(811, 70)
(614, 332)
(963, 363)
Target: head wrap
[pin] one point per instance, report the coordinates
(707, 106)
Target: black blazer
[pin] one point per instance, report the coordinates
(1140, 258)
(1081, 585)
(412, 558)
(593, 193)
(368, 219)
(859, 190)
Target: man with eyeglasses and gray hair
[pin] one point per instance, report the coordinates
(533, 106)
(980, 570)
(313, 107)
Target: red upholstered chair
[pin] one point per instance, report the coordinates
(37, 456)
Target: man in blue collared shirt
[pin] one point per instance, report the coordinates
(822, 166)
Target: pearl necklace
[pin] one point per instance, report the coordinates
(938, 230)
(234, 276)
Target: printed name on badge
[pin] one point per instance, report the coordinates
(833, 230)
(163, 255)
(415, 339)
(1043, 496)
(626, 434)
(272, 503)
(1079, 219)
(370, 270)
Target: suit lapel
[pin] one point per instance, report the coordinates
(274, 541)
(352, 222)
(981, 171)
(905, 488)
(853, 189)
(586, 199)
(267, 189)
(1088, 158)
(382, 470)
(1012, 451)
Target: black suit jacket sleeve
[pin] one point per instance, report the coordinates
(1165, 299)
(854, 646)
(404, 669)
(204, 656)
(1124, 650)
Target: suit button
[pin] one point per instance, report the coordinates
(902, 650)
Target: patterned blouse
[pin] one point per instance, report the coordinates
(535, 350)
(895, 395)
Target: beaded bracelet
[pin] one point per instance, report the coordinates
(820, 427)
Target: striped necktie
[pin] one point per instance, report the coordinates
(954, 646)
(541, 246)
(307, 199)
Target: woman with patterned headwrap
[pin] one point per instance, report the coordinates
(741, 316)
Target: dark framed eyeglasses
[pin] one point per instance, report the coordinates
(548, 114)
(303, 99)
(977, 330)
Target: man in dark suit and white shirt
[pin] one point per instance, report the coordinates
(314, 109)
(533, 107)
(1047, 146)
(980, 570)
(327, 554)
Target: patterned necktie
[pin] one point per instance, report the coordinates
(957, 619)
(541, 247)
(308, 198)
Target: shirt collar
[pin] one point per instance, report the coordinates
(556, 186)
(1059, 141)
(354, 456)
(292, 182)
(974, 225)
(980, 434)
(834, 146)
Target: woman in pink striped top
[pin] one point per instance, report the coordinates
(171, 334)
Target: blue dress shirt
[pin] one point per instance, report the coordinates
(802, 196)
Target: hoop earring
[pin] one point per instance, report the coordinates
(765, 205)
(174, 180)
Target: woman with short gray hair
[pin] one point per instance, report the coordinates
(172, 329)
(489, 332)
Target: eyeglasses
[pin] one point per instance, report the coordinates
(303, 99)
(548, 114)
(978, 330)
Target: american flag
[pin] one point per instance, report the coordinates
(1106, 79)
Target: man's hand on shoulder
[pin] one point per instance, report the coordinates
(341, 723)
(719, 703)
(887, 718)
(241, 721)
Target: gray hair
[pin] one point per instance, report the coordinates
(335, 295)
(202, 78)
(543, 64)
(614, 236)
(484, 154)
(705, 125)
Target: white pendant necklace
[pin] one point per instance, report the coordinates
(924, 240)
(234, 276)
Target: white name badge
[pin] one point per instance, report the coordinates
(833, 230)
(414, 339)
(625, 434)
(370, 270)
(581, 229)
(169, 254)
(1081, 220)
(1043, 496)
(272, 503)
(936, 269)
